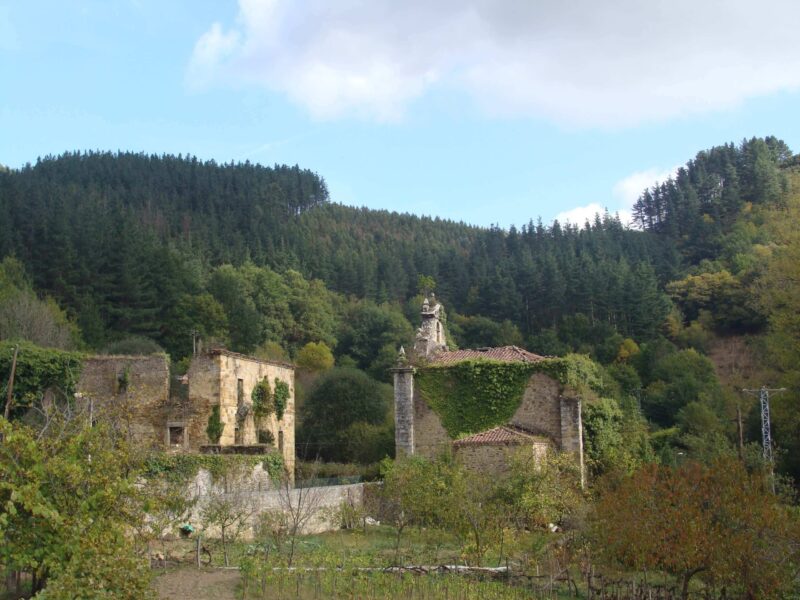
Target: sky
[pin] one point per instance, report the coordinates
(491, 112)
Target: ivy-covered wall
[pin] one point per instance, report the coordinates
(38, 369)
(475, 395)
(182, 468)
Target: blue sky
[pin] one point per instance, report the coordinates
(489, 112)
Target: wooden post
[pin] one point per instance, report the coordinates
(741, 432)
(10, 395)
(197, 546)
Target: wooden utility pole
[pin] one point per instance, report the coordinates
(10, 394)
(741, 431)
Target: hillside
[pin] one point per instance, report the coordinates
(106, 246)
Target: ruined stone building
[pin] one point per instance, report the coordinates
(546, 415)
(173, 414)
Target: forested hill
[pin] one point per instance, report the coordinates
(117, 238)
(99, 231)
(98, 247)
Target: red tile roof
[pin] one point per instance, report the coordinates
(503, 354)
(500, 436)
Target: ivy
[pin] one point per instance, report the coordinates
(215, 425)
(475, 395)
(274, 466)
(281, 397)
(39, 369)
(263, 399)
(182, 468)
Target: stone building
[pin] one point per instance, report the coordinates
(173, 414)
(136, 388)
(491, 451)
(548, 414)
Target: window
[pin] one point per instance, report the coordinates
(239, 392)
(280, 441)
(176, 435)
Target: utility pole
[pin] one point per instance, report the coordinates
(195, 333)
(766, 434)
(10, 395)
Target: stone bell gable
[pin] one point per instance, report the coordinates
(430, 339)
(548, 414)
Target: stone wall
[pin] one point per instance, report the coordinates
(259, 495)
(133, 390)
(495, 459)
(203, 393)
(430, 436)
(215, 379)
(539, 411)
(546, 409)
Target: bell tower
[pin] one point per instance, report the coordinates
(430, 336)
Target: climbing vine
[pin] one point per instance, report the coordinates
(475, 395)
(263, 399)
(38, 369)
(215, 425)
(274, 466)
(280, 397)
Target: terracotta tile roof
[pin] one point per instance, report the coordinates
(503, 354)
(500, 436)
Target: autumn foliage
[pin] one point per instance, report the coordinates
(717, 522)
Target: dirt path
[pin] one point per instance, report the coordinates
(189, 583)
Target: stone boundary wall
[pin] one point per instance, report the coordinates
(261, 495)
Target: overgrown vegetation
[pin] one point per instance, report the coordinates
(184, 467)
(38, 370)
(233, 257)
(215, 426)
(474, 395)
(263, 399)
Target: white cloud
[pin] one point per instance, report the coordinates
(626, 192)
(583, 63)
(628, 189)
(581, 214)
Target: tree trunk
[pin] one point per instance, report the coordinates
(224, 548)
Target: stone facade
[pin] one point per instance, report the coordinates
(548, 409)
(135, 388)
(495, 458)
(174, 417)
(227, 379)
